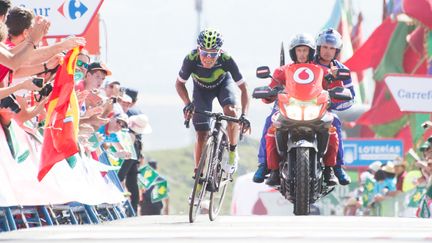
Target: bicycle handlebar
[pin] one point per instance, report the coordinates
(218, 116)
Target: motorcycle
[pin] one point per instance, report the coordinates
(302, 130)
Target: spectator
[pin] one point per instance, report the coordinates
(146, 205)
(4, 8)
(138, 125)
(133, 110)
(83, 60)
(400, 172)
(94, 78)
(19, 22)
(385, 182)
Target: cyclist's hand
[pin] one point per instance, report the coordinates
(244, 124)
(188, 111)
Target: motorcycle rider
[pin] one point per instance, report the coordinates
(301, 50)
(215, 74)
(304, 45)
(329, 45)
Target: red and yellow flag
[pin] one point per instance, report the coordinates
(62, 119)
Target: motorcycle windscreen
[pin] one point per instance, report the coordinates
(303, 81)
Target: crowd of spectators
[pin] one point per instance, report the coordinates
(109, 120)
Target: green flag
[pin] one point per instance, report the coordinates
(160, 191)
(368, 189)
(20, 150)
(425, 211)
(416, 197)
(392, 61)
(390, 129)
(146, 176)
(369, 185)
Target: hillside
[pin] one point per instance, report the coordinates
(177, 166)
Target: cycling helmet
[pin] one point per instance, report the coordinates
(302, 40)
(210, 39)
(331, 38)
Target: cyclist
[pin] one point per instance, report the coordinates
(301, 50)
(329, 44)
(214, 74)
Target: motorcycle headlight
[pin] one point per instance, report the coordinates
(303, 111)
(311, 112)
(294, 112)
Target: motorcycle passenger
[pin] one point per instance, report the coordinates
(301, 50)
(329, 45)
(215, 75)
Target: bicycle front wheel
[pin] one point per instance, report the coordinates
(222, 179)
(201, 180)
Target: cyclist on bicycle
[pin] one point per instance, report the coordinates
(214, 73)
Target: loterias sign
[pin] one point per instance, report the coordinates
(68, 17)
(412, 93)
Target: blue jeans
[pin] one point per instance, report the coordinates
(340, 155)
(262, 154)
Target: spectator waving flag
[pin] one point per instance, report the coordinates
(62, 119)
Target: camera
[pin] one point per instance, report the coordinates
(11, 103)
(426, 124)
(38, 82)
(46, 90)
(113, 100)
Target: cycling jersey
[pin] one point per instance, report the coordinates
(209, 78)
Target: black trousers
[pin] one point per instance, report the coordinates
(129, 170)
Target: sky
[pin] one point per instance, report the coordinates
(144, 43)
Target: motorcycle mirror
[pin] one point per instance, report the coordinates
(340, 93)
(262, 92)
(263, 72)
(343, 74)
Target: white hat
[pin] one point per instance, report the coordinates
(126, 98)
(398, 161)
(375, 166)
(122, 117)
(140, 124)
(389, 168)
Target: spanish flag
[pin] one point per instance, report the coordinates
(62, 118)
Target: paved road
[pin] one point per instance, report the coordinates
(266, 229)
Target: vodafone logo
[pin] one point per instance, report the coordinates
(72, 9)
(303, 75)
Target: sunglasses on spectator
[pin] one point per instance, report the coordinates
(122, 124)
(82, 64)
(211, 54)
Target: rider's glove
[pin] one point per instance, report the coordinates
(245, 123)
(188, 109)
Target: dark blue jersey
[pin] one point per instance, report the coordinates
(209, 78)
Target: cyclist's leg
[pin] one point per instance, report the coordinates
(340, 173)
(203, 101)
(227, 99)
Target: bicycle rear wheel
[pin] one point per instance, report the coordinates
(200, 184)
(222, 179)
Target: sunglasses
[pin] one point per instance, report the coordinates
(122, 124)
(82, 64)
(211, 54)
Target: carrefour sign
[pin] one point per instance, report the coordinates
(68, 17)
(412, 93)
(362, 152)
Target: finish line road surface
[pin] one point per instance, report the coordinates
(267, 229)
